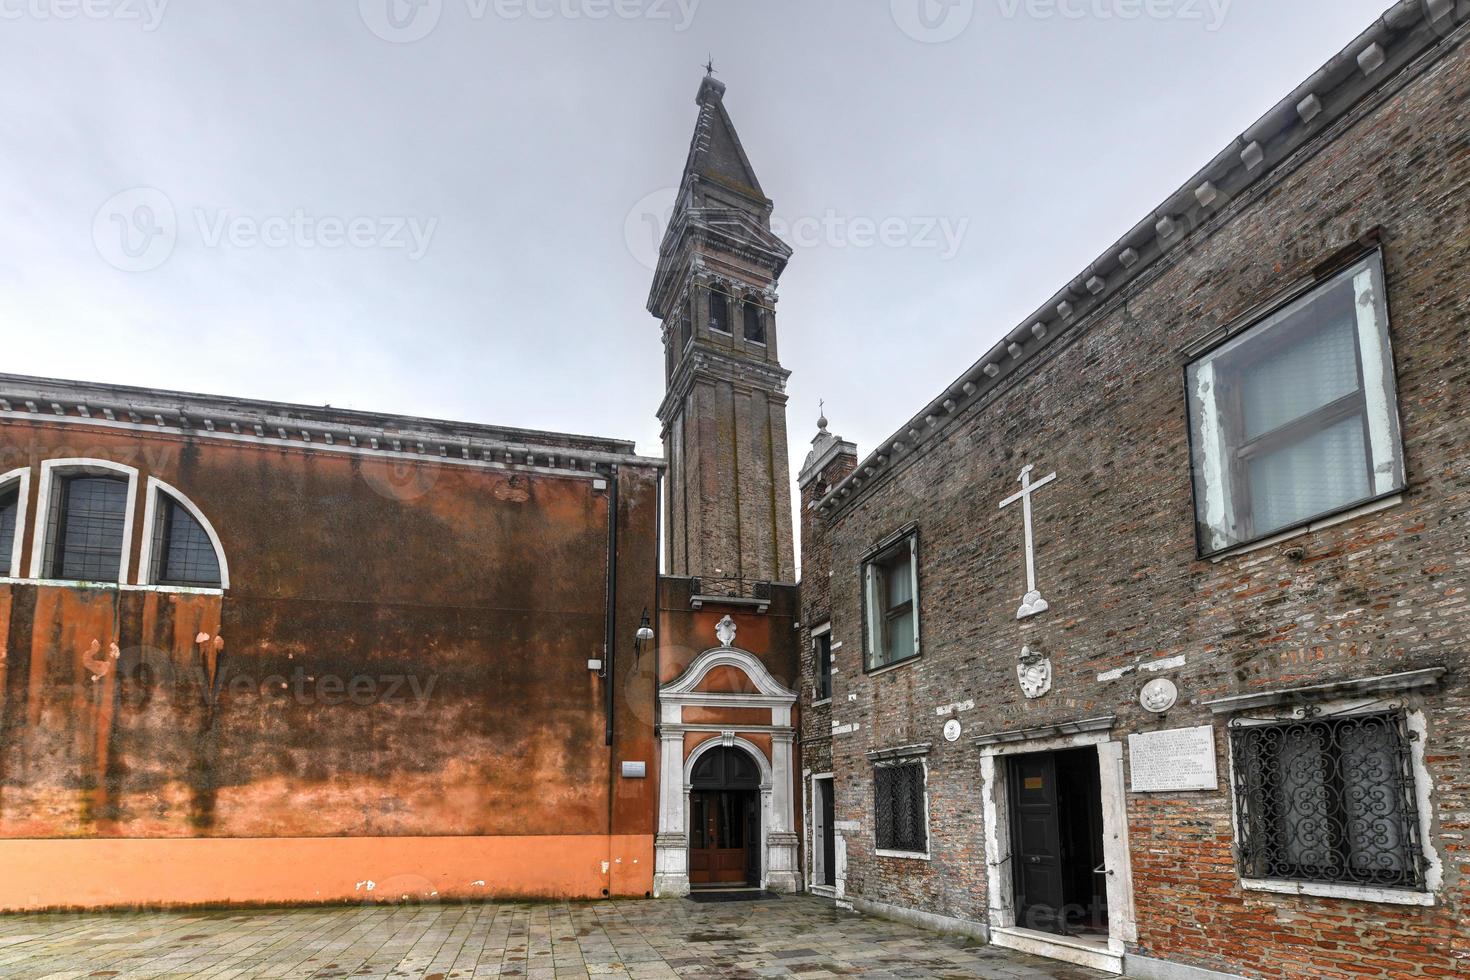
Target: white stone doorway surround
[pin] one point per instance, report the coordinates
(779, 843)
(1122, 922)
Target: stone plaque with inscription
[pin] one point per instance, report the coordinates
(1181, 759)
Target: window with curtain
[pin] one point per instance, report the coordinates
(9, 507)
(1295, 418)
(900, 821)
(183, 553)
(87, 516)
(1327, 800)
(891, 606)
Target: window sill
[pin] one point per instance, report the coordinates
(875, 671)
(1320, 524)
(62, 583)
(902, 855)
(818, 704)
(1358, 893)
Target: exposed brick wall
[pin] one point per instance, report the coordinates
(1104, 407)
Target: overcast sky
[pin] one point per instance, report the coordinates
(442, 207)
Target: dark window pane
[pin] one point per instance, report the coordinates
(755, 325)
(87, 518)
(184, 554)
(719, 312)
(9, 504)
(1329, 800)
(824, 666)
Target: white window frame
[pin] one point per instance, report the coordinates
(874, 608)
(49, 469)
(817, 632)
(1426, 894)
(1214, 488)
(21, 479)
(151, 513)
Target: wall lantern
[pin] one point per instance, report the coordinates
(644, 634)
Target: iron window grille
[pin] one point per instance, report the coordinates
(183, 553)
(1295, 418)
(900, 821)
(9, 507)
(85, 528)
(822, 650)
(1328, 800)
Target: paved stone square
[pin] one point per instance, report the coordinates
(796, 936)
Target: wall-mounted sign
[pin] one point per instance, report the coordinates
(1178, 760)
(635, 770)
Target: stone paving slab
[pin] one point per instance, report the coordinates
(797, 936)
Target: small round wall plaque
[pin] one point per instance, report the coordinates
(1159, 695)
(952, 730)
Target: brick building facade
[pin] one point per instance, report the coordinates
(1128, 666)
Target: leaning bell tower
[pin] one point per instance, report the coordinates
(724, 410)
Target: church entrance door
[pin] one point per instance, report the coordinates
(724, 820)
(1056, 821)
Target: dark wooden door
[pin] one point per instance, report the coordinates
(1036, 842)
(826, 835)
(717, 837)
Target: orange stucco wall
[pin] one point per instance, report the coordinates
(40, 874)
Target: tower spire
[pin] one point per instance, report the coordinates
(724, 413)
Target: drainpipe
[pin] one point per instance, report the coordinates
(658, 582)
(610, 637)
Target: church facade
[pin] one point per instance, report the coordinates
(1142, 646)
(263, 653)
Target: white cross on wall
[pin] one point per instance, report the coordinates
(1033, 604)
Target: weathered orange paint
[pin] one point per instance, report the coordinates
(727, 680)
(50, 874)
(485, 587)
(729, 717)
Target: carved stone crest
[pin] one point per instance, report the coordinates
(1034, 673)
(725, 630)
(1159, 695)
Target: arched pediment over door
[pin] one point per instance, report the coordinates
(726, 699)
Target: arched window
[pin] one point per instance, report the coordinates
(86, 528)
(725, 768)
(9, 527)
(719, 310)
(180, 546)
(755, 324)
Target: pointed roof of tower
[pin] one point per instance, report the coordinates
(715, 152)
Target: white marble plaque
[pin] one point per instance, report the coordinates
(1181, 759)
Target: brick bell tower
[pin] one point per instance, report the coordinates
(724, 413)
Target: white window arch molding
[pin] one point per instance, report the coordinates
(51, 469)
(152, 513)
(20, 481)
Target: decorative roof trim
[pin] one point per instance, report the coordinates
(314, 428)
(1407, 30)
